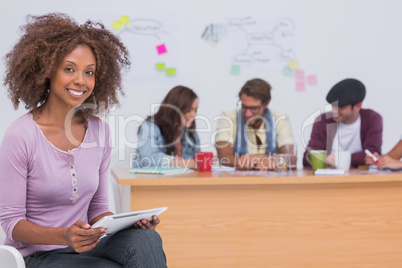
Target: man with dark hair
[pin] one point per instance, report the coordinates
(248, 135)
(348, 127)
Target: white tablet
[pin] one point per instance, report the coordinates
(115, 223)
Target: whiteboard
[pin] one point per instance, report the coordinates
(152, 40)
(336, 40)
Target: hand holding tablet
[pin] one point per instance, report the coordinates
(118, 222)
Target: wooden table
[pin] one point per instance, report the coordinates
(301, 220)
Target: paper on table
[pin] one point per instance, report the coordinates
(160, 170)
(329, 171)
(223, 169)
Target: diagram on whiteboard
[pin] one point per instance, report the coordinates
(262, 42)
(153, 43)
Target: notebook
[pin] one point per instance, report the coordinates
(159, 170)
(329, 171)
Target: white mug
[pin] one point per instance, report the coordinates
(342, 160)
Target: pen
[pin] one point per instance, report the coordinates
(375, 159)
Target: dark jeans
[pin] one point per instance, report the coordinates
(127, 248)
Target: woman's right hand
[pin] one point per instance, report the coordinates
(82, 238)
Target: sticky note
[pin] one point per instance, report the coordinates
(117, 25)
(299, 74)
(287, 71)
(160, 66)
(300, 86)
(170, 71)
(311, 79)
(293, 64)
(161, 49)
(235, 70)
(124, 19)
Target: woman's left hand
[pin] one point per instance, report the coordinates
(145, 224)
(387, 161)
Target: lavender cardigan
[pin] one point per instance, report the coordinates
(50, 187)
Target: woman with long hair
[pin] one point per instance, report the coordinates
(169, 138)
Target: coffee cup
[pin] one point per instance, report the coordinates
(316, 158)
(203, 161)
(342, 160)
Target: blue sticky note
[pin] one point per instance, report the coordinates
(235, 70)
(287, 71)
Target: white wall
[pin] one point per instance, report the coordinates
(339, 39)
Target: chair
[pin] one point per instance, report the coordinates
(10, 257)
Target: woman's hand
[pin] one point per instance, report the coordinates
(387, 161)
(145, 224)
(82, 238)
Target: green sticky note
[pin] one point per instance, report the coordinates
(124, 19)
(235, 70)
(160, 66)
(117, 25)
(170, 71)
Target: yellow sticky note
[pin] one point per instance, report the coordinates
(293, 64)
(160, 66)
(170, 71)
(124, 20)
(117, 25)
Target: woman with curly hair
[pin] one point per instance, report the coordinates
(54, 160)
(168, 138)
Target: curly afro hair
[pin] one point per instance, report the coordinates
(44, 43)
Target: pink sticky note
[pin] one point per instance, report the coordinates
(300, 86)
(311, 79)
(161, 49)
(299, 74)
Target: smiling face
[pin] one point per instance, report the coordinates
(346, 114)
(190, 115)
(74, 79)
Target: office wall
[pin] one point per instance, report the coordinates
(338, 39)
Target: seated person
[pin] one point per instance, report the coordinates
(247, 136)
(348, 127)
(54, 159)
(168, 138)
(392, 160)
